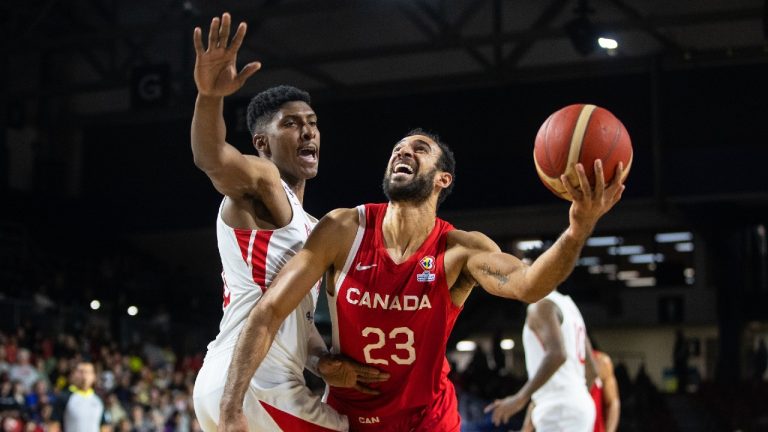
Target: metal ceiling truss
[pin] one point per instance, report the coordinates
(110, 48)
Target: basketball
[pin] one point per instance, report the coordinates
(580, 133)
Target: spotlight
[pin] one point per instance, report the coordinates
(133, 310)
(95, 304)
(607, 43)
(507, 344)
(466, 346)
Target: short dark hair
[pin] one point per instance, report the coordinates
(446, 162)
(265, 104)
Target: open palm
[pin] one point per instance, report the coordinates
(216, 67)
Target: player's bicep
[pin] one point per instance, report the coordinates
(307, 267)
(498, 273)
(238, 175)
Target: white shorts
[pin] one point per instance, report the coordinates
(286, 407)
(574, 415)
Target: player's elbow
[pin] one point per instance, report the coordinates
(267, 316)
(206, 163)
(557, 356)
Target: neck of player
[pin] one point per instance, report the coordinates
(296, 185)
(405, 227)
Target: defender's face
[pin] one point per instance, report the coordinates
(293, 141)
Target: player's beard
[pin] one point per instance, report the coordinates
(416, 191)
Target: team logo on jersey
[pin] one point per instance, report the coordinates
(427, 263)
(425, 277)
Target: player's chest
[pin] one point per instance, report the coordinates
(374, 284)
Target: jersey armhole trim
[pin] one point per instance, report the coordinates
(335, 348)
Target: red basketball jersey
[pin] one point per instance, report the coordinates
(596, 391)
(397, 318)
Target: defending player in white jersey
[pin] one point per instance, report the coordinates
(261, 224)
(558, 358)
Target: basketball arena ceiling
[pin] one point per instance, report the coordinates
(374, 46)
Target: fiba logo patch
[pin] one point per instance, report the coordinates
(427, 263)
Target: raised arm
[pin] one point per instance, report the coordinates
(216, 76)
(544, 319)
(506, 276)
(329, 239)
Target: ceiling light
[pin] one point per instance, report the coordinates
(626, 250)
(641, 282)
(604, 241)
(589, 261)
(465, 346)
(646, 258)
(527, 245)
(607, 43)
(674, 237)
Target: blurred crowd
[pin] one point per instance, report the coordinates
(144, 388)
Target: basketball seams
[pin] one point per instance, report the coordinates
(577, 139)
(614, 143)
(547, 154)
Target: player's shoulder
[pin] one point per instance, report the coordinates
(604, 359)
(341, 218)
(471, 240)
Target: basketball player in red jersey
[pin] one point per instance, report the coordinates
(605, 393)
(261, 224)
(399, 278)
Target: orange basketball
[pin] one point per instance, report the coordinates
(580, 133)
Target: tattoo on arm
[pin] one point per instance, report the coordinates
(495, 273)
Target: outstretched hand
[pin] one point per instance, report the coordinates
(589, 204)
(339, 371)
(504, 409)
(216, 67)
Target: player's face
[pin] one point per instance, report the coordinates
(293, 141)
(410, 174)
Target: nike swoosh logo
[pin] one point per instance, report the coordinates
(364, 267)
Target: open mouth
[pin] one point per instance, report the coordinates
(308, 153)
(402, 170)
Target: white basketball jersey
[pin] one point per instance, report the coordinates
(569, 378)
(251, 259)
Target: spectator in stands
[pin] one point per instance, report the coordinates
(5, 367)
(114, 413)
(23, 371)
(760, 360)
(680, 361)
(8, 402)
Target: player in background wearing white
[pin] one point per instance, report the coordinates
(558, 358)
(261, 224)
